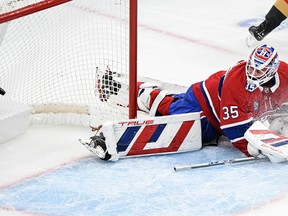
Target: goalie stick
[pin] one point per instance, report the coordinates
(217, 163)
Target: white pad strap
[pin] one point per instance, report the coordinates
(108, 130)
(144, 98)
(157, 101)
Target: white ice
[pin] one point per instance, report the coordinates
(47, 172)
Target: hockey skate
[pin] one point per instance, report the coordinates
(97, 146)
(258, 33)
(2, 92)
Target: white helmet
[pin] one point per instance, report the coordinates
(261, 66)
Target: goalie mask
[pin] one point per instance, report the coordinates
(261, 66)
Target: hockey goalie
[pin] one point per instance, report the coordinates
(228, 103)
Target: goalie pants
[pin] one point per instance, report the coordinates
(188, 103)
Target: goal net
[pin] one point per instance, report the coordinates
(72, 58)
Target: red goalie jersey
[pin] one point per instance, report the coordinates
(231, 108)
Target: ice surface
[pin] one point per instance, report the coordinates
(47, 172)
(48, 176)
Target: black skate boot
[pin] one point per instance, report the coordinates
(2, 92)
(261, 31)
(99, 146)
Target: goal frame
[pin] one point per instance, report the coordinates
(133, 23)
(133, 59)
(30, 9)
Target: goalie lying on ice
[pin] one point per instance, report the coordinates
(228, 102)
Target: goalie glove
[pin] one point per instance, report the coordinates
(253, 151)
(264, 142)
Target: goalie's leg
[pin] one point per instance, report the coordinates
(161, 103)
(151, 136)
(179, 129)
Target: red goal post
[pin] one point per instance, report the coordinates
(55, 60)
(13, 9)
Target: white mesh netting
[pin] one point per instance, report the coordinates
(50, 57)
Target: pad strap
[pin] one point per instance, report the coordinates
(157, 101)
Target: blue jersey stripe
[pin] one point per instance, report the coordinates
(236, 131)
(220, 86)
(208, 102)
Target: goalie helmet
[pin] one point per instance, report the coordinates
(261, 66)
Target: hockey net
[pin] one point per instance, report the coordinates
(58, 60)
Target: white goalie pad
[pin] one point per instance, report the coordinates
(155, 135)
(267, 141)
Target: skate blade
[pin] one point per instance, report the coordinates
(87, 146)
(251, 41)
(99, 152)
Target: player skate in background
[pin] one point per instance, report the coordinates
(228, 101)
(2, 92)
(276, 15)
